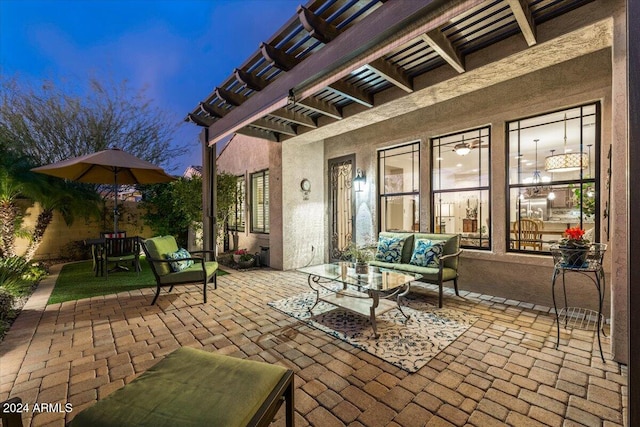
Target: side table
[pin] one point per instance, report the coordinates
(588, 263)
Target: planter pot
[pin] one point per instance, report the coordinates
(362, 268)
(236, 258)
(573, 256)
(246, 263)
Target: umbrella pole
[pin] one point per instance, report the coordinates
(115, 205)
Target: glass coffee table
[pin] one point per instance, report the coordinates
(365, 294)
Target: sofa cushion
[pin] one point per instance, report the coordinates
(429, 274)
(193, 273)
(382, 264)
(451, 246)
(158, 248)
(180, 254)
(427, 253)
(390, 249)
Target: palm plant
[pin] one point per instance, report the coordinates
(14, 181)
(71, 199)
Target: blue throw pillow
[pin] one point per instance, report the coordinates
(390, 249)
(180, 265)
(427, 253)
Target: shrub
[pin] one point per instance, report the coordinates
(18, 277)
(12, 269)
(76, 251)
(6, 304)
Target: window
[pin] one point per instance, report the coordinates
(260, 202)
(236, 218)
(399, 172)
(553, 177)
(460, 186)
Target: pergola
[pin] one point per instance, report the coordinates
(339, 65)
(336, 59)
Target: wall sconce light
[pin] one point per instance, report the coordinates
(359, 181)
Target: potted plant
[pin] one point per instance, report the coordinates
(238, 254)
(246, 260)
(574, 247)
(360, 256)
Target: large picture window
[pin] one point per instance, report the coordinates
(237, 216)
(553, 177)
(399, 173)
(460, 186)
(260, 202)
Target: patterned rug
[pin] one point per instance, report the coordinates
(408, 346)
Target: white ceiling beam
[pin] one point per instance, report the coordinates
(355, 48)
(294, 117)
(443, 47)
(351, 92)
(523, 15)
(391, 73)
(321, 107)
(274, 127)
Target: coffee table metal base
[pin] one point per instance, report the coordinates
(369, 303)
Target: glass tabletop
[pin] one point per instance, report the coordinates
(377, 279)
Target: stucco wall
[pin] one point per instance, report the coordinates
(245, 155)
(59, 234)
(578, 81)
(304, 233)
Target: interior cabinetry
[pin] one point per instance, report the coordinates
(564, 198)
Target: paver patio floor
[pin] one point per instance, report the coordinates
(503, 371)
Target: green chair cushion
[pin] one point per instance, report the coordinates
(192, 273)
(159, 247)
(189, 387)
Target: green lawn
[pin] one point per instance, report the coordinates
(77, 281)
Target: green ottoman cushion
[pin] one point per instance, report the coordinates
(188, 387)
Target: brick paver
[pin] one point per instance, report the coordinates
(504, 370)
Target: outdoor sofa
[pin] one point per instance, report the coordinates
(441, 264)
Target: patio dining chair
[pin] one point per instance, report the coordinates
(121, 250)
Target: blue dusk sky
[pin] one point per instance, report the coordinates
(179, 50)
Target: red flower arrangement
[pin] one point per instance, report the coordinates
(240, 252)
(574, 237)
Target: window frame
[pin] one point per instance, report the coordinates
(265, 203)
(434, 193)
(581, 181)
(381, 186)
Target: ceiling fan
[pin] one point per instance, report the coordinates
(463, 148)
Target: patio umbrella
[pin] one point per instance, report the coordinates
(105, 167)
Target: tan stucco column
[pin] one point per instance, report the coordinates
(619, 191)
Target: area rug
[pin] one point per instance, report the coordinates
(408, 345)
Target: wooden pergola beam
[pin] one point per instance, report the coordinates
(278, 57)
(327, 65)
(317, 27)
(199, 120)
(274, 127)
(213, 110)
(321, 107)
(392, 74)
(294, 117)
(524, 17)
(229, 97)
(351, 92)
(258, 133)
(443, 47)
(250, 81)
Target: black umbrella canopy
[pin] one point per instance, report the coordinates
(105, 167)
